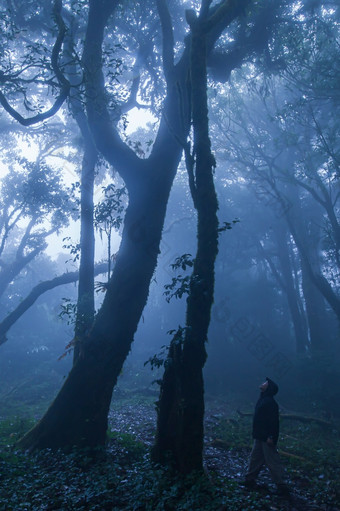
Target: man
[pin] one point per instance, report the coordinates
(266, 434)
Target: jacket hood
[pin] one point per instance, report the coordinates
(272, 388)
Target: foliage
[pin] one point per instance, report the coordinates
(108, 216)
(127, 444)
(68, 310)
(33, 191)
(86, 479)
(157, 360)
(109, 212)
(183, 262)
(162, 358)
(26, 62)
(180, 284)
(74, 248)
(227, 226)
(122, 476)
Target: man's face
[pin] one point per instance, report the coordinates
(264, 386)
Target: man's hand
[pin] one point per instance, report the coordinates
(270, 441)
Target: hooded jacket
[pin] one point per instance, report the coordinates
(266, 416)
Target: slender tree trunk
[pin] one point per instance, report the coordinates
(309, 261)
(109, 255)
(181, 405)
(316, 289)
(316, 313)
(300, 330)
(85, 303)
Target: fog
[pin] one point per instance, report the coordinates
(129, 305)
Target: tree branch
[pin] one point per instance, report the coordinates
(37, 291)
(13, 269)
(106, 137)
(65, 86)
(271, 265)
(24, 239)
(168, 40)
(222, 63)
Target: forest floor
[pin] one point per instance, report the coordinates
(123, 478)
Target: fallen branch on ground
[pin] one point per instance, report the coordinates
(293, 416)
(290, 455)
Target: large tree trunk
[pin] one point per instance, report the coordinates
(78, 415)
(181, 405)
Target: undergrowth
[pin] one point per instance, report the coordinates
(122, 477)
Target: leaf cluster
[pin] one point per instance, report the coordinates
(108, 213)
(68, 311)
(74, 248)
(180, 284)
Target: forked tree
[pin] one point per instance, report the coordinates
(78, 415)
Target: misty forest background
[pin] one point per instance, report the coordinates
(169, 234)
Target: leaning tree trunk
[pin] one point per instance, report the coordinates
(78, 415)
(181, 405)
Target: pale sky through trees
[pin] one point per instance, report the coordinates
(137, 118)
